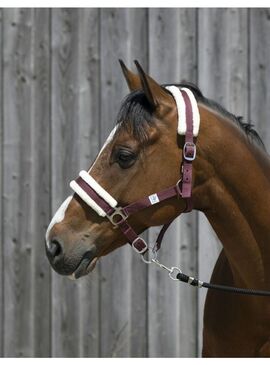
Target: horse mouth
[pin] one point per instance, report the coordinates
(85, 266)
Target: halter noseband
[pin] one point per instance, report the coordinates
(93, 194)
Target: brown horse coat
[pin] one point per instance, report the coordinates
(231, 185)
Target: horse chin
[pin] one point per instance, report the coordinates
(84, 268)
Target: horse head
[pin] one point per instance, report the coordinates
(141, 156)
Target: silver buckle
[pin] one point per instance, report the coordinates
(114, 217)
(189, 144)
(143, 250)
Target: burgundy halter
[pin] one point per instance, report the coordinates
(105, 205)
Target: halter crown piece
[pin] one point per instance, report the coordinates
(93, 194)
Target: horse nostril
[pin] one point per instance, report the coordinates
(55, 248)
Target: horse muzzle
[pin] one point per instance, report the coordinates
(76, 263)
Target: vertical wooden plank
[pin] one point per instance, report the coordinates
(18, 167)
(40, 132)
(1, 192)
(123, 281)
(223, 76)
(30, 175)
(260, 72)
(75, 117)
(172, 307)
(88, 139)
(65, 143)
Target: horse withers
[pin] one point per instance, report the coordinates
(230, 181)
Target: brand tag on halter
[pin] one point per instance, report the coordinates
(153, 199)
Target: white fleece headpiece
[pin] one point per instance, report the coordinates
(181, 110)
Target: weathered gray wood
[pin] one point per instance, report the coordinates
(56, 110)
(18, 199)
(172, 307)
(40, 180)
(223, 65)
(260, 72)
(123, 281)
(1, 192)
(65, 162)
(88, 140)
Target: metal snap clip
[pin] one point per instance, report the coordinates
(174, 272)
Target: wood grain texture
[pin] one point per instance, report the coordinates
(123, 276)
(223, 76)
(88, 140)
(40, 131)
(60, 90)
(172, 307)
(65, 162)
(259, 72)
(17, 183)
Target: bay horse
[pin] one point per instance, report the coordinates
(230, 185)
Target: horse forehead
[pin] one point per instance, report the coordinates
(58, 216)
(106, 143)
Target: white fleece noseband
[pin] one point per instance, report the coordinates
(98, 188)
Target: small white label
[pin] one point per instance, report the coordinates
(153, 199)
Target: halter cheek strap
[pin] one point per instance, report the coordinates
(93, 194)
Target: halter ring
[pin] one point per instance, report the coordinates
(117, 216)
(152, 255)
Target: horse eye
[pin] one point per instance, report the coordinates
(125, 158)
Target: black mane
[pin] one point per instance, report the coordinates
(136, 112)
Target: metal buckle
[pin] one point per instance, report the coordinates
(189, 158)
(114, 217)
(144, 249)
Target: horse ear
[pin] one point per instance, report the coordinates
(133, 80)
(154, 92)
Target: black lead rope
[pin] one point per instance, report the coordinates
(195, 282)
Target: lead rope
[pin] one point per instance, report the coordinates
(176, 274)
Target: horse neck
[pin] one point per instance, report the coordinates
(232, 188)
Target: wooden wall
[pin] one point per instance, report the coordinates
(60, 88)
